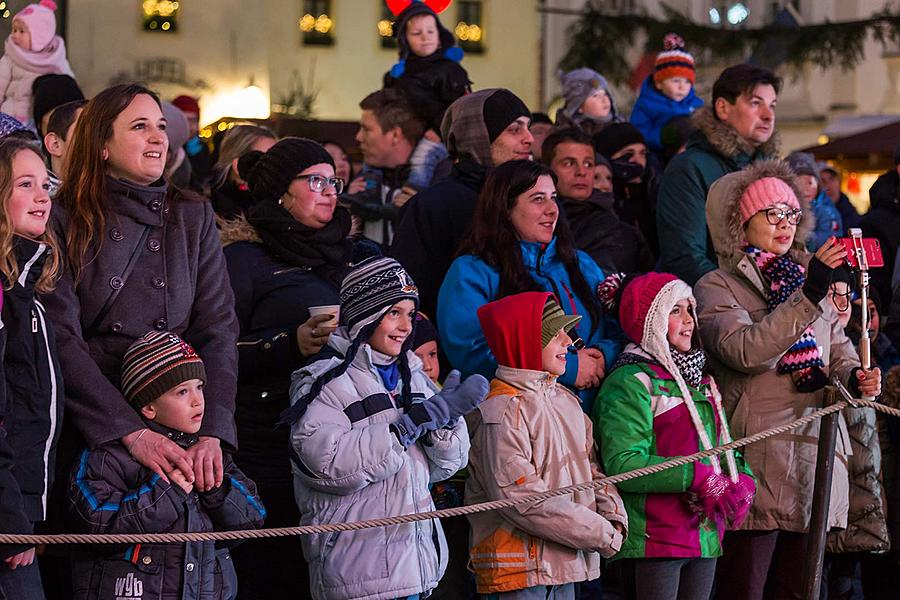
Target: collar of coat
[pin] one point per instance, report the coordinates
(185, 440)
(725, 140)
(145, 204)
(236, 230)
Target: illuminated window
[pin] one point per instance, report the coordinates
(160, 15)
(4, 11)
(386, 26)
(317, 23)
(470, 28)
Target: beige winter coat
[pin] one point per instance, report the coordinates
(530, 436)
(746, 341)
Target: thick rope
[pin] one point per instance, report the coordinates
(167, 538)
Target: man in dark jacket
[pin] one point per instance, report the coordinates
(883, 222)
(615, 246)
(736, 130)
(481, 130)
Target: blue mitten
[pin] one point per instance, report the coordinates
(422, 417)
(463, 398)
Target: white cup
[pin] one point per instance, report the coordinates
(329, 309)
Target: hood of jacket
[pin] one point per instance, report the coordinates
(725, 140)
(236, 230)
(30, 257)
(463, 129)
(723, 215)
(416, 9)
(512, 328)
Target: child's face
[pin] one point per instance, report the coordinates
(681, 326)
(181, 408)
(553, 356)
(809, 186)
(395, 327)
(597, 104)
(422, 35)
(20, 35)
(603, 180)
(839, 295)
(676, 88)
(28, 206)
(428, 354)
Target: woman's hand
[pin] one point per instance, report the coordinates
(159, 454)
(591, 368)
(868, 382)
(208, 469)
(312, 335)
(22, 559)
(832, 254)
(821, 269)
(357, 185)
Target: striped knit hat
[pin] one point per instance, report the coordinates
(553, 319)
(371, 288)
(155, 363)
(673, 61)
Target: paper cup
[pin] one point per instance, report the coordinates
(330, 309)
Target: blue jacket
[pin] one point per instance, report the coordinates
(653, 110)
(471, 283)
(828, 222)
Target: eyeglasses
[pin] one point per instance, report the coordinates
(775, 215)
(319, 183)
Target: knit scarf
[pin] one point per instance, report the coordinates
(802, 360)
(326, 251)
(690, 364)
(51, 59)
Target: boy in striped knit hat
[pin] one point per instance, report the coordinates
(110, 492)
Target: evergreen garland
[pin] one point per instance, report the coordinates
(601, 40)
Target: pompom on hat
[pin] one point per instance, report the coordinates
(765, 193)
(40, 19)
(674, 61)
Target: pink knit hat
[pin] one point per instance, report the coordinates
(637, 299)
(41, 22)
(765, 193)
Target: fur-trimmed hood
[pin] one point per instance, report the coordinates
(723, 214)
(236, 230)
(726, 141)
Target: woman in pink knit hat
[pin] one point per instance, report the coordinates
(776, 341)
(32, 49)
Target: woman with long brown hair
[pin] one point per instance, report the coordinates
(141, 255)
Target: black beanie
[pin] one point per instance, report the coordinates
(424, 332)
(269, 174)
(500, 109)
(616, 136)
(50, 91)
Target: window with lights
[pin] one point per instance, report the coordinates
(386, 27)
(469, 29)
(317, 23)
(160, 15)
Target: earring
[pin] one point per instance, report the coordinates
(105, 154)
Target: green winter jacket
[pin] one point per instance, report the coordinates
(640, 419)
(714, 150)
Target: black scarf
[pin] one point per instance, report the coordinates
(326, 251)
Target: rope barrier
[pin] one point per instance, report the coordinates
(168, 538)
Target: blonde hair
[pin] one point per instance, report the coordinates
(237, 142)
(10, 147)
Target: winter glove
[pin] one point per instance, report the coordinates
(422, 417)
(463, 398)
(738, 500)
(818, 278)
(708, 490)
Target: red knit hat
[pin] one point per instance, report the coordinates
(187, 104)
(637, 299)
(674, 61)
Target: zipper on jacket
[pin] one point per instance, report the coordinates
(34, 322)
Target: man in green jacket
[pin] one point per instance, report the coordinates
(736, 130)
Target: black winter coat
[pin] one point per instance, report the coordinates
(110, 492)
(433, 224)
(33, 408)
(883, 222)
(432, 84)
(179, 283)
(229, 200)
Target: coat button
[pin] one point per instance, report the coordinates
(116, 283)
(155, 205)
(189, 567)
(116, 327)
(116, 235)
(146, 560)
(158, 283)
(160, 324)
(153, 245)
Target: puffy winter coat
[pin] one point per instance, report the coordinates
(747, 341)
(349, 467)
(31, 416)
(828, 221)
(640, 419)
(472, 283)
(653, 110)
(18, 70)
(432, 83)
(530, 436)
(714, 150)
(110, 492)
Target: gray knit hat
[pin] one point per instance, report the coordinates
(371, 288)
(804, 163)
(578, 85)
(155, 363)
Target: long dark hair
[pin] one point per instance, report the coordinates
(494, 239)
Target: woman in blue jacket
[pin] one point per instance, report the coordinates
(518, 243)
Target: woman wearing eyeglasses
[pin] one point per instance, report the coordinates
(288, 254)
(765, 319)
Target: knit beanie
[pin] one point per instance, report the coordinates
(177, 128)
(804, 163)
(500, 109)
(154, 364)
(616, 136)
(269, 174)
(579, 85)
(50, 91)
(673, 61)
(765, 193)
(425, 331)
(9, 125)
(187, 104)
(553, 319)
(40, 21)
(371, 288)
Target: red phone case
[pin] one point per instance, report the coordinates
(871, 247)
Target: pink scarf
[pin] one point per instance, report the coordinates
(51, 59)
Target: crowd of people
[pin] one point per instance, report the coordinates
(494, 304)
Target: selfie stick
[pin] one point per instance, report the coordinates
(865, 342)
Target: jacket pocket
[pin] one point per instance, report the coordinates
(353, 557)
(119, 579)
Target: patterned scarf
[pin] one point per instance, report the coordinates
(690, 364)
(802, 360)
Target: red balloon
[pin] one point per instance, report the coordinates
(397, 6)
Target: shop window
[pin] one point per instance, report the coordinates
(470, 28)
(386, 26)
(317, 23)
(160, 15)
